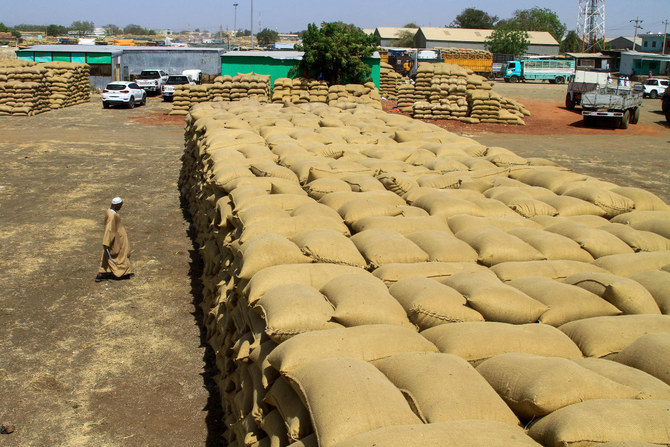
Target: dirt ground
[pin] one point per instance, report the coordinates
(123, 363)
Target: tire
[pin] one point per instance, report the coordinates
(105, 105)
(569, 102)
(560, 80)
(625, 120)
(653, 94)
(635, 117)
(514, 79)
(131, 103)
(144, 100)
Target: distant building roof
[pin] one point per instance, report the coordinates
(388, 32)
(281, 54)
(647, 56)
(479, 35)
(114, 49)
(638, 39)
(368, 30)
(587, 55)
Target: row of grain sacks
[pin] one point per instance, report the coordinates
(29, 88)
(446, 91)
(225, 88)
(373, 280)
(389, 80)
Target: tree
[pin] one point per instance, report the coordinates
(334, 52)
(538, 19)
(56, 30)
(267, 37)
(572, 43)
(404, 39)
(3, 28)
(411, 25)
(112, 30)
(245, 33)
(137, 30)
(82, 27)
(507, 40)
(474, 18)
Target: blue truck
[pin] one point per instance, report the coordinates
(554, 70)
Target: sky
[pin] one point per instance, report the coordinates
(294, 15)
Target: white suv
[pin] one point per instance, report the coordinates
(655, 87)
(152, 80)
(123, 92)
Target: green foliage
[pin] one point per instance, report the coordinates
(405, 39)
(56, 30)
(82, 27)
(474, 18)
(411, 25)
(538, 19)
(3, 28)
(16, 33)
(507, 40)
(334, 52)
(138, 30)
(571, 44)
(112, 30)
(246, 33)
(267, 37)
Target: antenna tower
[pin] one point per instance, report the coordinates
(591, 24)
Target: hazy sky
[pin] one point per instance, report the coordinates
(294, 15)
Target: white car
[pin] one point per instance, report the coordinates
(152, 79)
(123, 92)
(172, 82)
(655, 87)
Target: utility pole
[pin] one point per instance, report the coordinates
(252, 24)
(235, 20)
(665, 34)
(637, 26)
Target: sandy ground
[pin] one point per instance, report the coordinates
(123, 363)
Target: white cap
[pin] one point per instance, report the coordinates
(117, 201)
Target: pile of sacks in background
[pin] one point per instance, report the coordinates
(29, 88)
(370, 279)
(446, 91)
(225, 88)
(299, 91)
(389, 80)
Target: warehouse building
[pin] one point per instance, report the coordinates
(541, 42)
(388, 35)
(276, 63)
(117, 63)
(643, 63)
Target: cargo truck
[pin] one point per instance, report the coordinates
(556, 71)
(584, 81)
(620, 104)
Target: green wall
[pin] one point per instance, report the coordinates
(276, 68)
(41, 56)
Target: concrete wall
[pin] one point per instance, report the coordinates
(173, 62)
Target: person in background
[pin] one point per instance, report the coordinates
(115, 247)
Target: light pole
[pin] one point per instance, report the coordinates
(252, 24)
(235, 20)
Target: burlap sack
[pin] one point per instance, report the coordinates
(597, 242)
(429, 303)
(630, 264)
(443, 246)
(334, 389)
(292, 226)
(403, 225)
(369, 343)
(267, 250)
(329, 246)
(627, 295)
(553, 246)
(475, 341)
(649, 353)
(363, 299)
(390, 273)
(293, 412)
(468, 433)
(494, 246)
(647, 385)
(436, 383)
(657, 282)
(566, 302)
(380, 246)
(603, 420)
(601, 336)
(535, 386)
(644, 200)
(638, 240)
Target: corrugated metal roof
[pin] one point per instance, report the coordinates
(388, 32)
(113, 49)
(587, 55)
(479, 35)
(283, 55)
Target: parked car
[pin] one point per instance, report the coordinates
(172, 81)
(152, 80)
(655, 87)
(123, 92)
(194, 75)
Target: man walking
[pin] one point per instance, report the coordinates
(116, 249)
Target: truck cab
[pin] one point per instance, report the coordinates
(152, 80)
(512, 72)
(556, 70)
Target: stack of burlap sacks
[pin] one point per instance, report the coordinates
(389, 80)
(374, 280)
(225, 88)
(68, 83)
(446, 91)
(29, 88)
(299, 91)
